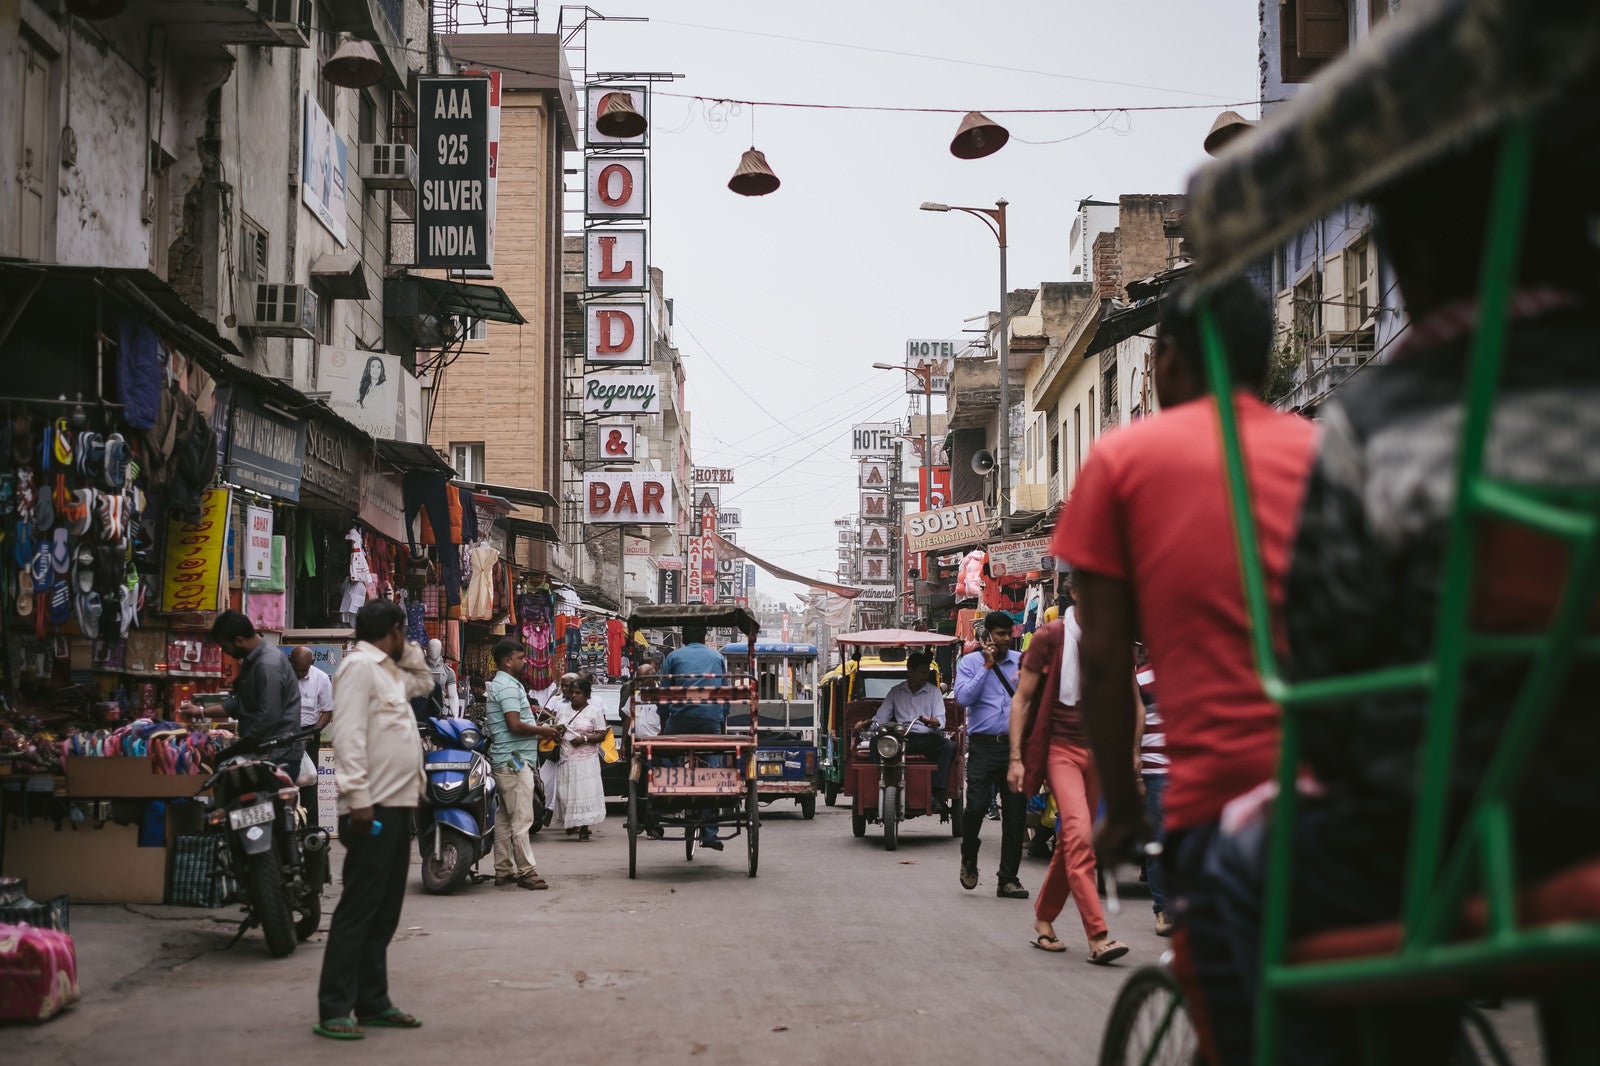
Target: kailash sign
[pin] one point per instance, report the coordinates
(453, 200)
(946, 527)
(631, 499)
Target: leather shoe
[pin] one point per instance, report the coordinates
(1011, 890)
(713, 844)
(969, 876)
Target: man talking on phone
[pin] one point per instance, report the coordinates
(378, 765)
(985, 682)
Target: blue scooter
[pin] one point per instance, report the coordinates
(455, 821)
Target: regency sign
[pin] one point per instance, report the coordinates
(622, 394)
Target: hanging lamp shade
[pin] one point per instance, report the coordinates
(978, 136)
(96, 9)
(354, 65)
(618, 118)
(754, 177)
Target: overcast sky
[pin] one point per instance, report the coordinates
(784, 301)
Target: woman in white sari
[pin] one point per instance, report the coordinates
(581, 797)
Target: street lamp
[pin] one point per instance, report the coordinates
(995, 218)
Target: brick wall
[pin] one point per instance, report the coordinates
(1106, 259)
(1143, 244)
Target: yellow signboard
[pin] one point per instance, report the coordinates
(192, 576)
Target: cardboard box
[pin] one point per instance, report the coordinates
(126, 777)
(88, 865)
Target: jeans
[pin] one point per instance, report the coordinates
(1155, 791)
(678, 724)
(1204, 959)
(988, 758)
(1075, 785)
(355, 966)
(513, 850)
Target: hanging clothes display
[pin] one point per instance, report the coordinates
(616, 636)
(479, 603)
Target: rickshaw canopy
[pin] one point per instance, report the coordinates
(1437, 75)
(895, 638)
(712, 616)
(767, 648)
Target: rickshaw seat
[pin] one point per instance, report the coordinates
(1570, 897)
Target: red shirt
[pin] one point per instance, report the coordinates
(1151, 508)
(1044, 655)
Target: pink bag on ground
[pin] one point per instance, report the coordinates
(38, 973)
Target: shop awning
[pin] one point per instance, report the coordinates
(405, 455)
(340, 276)
(520, 497)
(544, 531)
(488, 302)
(1436, 75)
(67, 290)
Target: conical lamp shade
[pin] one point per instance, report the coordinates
(978, 136)
(618, 118)
(754, 177)
(96, 9)
(354, 65)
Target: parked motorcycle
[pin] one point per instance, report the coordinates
(455, 821)
(266, 843)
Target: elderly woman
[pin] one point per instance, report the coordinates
(581, 801)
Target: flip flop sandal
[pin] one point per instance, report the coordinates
(393, 1018)
(1109, 952)
(60, 603)
(83, 569)
(533, 882)
(40, 568)
(61, 447)
(25, 490)
(90, 608)
(23, 548)
(1052, 944)
(25, 598)
(60, 556)
(44, 511)
(339, 1029)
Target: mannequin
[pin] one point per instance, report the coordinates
(444, 676)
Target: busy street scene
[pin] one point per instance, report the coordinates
(901, 532)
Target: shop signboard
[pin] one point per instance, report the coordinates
(874, 506)
(694, 575)
(873, 438)
(621, 394)
(366, 389)
(946, 527)
(266, 452)
(614, 260)
(627, 499)
(617, 186)
(669, 586)
(940, 494)
(192, 571)
(729, 518)
(707, 500)
(750, 575)
(323, 170)
(619, 442)
(616, 333)
(453, 200)
(875, 537)
(875, 474)
(383, 503)
(258, 543)
(939, 353)
(638, 95)
(875, 566)
(1020, 556)
(333, 464)
(713, 475)
(876, 594)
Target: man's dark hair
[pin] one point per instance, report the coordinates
(230, 626)
(694, 634)
(923, 659)
(1244, 320)
(377, 619)
(584, 684)
(998, 620)
(504, 650)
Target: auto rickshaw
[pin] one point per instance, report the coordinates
(885, 783)
(786, 683)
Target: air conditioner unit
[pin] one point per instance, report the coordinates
(389, 166)
(282, 311)
(289, 19)
(1351, 359)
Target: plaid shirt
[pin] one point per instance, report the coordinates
(1364, 584)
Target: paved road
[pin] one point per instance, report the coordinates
(837, 952)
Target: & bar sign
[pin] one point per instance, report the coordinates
(454, 202)
(627, 499)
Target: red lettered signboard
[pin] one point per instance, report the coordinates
(941, 487)
(627, 499)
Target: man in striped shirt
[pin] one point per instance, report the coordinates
(1153, 770)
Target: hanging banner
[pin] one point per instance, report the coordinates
(1019, 557)
(258, 543)
(453, 172)
(940, 494)
(323, 177)
(192, 572)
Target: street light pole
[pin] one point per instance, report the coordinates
(995, 219)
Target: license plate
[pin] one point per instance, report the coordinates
(459, 767)
(696, 780)
(255, 815)
(769, 769)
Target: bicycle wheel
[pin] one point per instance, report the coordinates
(1148, 1026)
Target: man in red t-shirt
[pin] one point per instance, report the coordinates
(1148, 535)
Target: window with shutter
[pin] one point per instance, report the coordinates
(1311, 33)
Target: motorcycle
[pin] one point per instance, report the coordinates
(265, 844)
(455, 821)
(889, 745)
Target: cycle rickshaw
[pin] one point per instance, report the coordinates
(692, 781)
(1437, 76)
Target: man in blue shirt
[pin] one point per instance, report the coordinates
(513, 753)
(985, 682)
(695, 665)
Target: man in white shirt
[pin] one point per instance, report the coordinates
(316, 709)
(920, 703)
(378, 764)
(549, 764)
